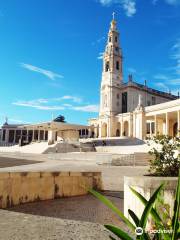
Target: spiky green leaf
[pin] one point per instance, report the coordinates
(149, 205)
(110, 205)
(175, 220)
(118, 232)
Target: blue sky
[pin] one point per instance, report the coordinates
(50, 53)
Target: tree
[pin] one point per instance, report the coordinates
(60, 118)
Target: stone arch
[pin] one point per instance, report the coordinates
(104, 130)
(126, 128)
(118, 129)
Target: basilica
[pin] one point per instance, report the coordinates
(128, 108)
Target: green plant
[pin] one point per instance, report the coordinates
(166, 158)
(149, 210)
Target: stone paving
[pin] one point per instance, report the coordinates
(19, 226)
(82, 208)
(75, 218)
(9, 162)
(112, 176)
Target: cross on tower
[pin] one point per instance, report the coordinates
(113, 14)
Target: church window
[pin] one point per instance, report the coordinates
(153, 100)
(105, 101)
(124, 102)
(117, 65)
(109, 39)
(118, 96)
(116, 39)
(107, 66)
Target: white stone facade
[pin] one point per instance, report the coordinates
(123, 105)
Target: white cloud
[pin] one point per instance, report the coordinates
(74, 99)
(14, 120)
(129, 6)
(175, 81)
(99, 40)
(100, 56)
(106, 2)
(163, 86)
(176, 56)
(37, 105)
(52, 104)
(161, 77)
(51, 75)
(170, 2)
(132, 70)
(173, 2)
(87, 108)
(175, 91)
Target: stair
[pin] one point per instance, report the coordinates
(65, 147)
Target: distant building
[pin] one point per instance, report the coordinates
(52, 131)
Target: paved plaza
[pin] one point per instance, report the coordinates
(112, 176)
(75, 218)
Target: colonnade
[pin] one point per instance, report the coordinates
(167, 123)
(13, 135)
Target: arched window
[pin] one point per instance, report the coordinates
(109, 39)
(117, 65)
(105, 101)
(116, 39)
(107, 66)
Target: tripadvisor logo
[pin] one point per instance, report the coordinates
(139, 231)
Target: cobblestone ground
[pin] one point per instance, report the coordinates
(50, 220)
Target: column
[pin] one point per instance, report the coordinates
(14, 136)
(89, 132)
(7, 136)
(1, 136)
(122, 128)
(131, 126)
(150, 126)
(38, 135)
(27, 135)
(167, 124)
(178, 123)
(155, 125)
(108, 129)
(44, 135)
(33, 135)
(100, 130)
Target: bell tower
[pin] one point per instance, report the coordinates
(112, 76)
